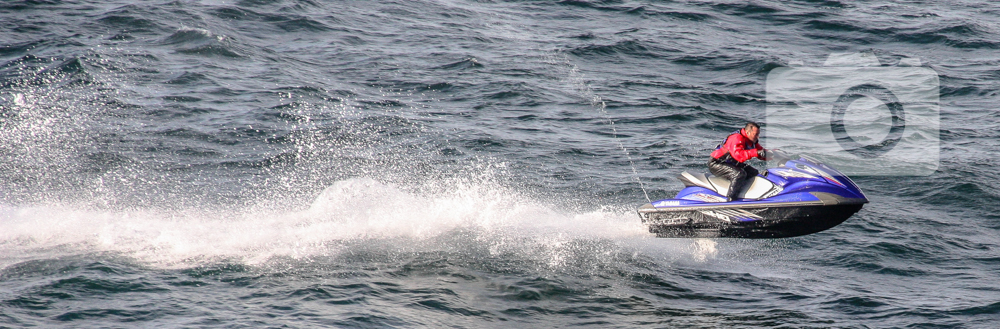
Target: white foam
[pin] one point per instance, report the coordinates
(348, 211)
(703, 250)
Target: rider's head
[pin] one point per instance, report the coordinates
(751, 130)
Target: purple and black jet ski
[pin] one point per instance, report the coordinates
(799, 197)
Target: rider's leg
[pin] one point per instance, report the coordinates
(726, 170)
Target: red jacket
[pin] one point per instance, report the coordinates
(739, 146)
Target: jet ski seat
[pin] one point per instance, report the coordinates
(759, 188)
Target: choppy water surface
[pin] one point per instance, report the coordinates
(275, 163)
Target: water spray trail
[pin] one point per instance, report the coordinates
(499, 25)
(576, 78)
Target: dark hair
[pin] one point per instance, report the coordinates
(751, 125)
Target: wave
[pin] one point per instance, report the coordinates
(129, 23)
(298, 24)
(993, 308)
(189, 35)
(591, 4)
(465, 64)
(648, 11)
(137, 19)
(685, 15)
(745, 8)
(963, 193)
(47, 73)
(19, 48)
(958, 35)
(191, 78)
(633, 48)
(30, 4)
(195, 41)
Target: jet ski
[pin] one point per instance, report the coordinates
(799, 197)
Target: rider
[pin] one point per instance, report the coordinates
(728, 160)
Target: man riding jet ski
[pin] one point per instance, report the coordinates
(799, 197)
(729, 158)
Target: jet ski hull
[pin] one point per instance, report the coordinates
(766, 223)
